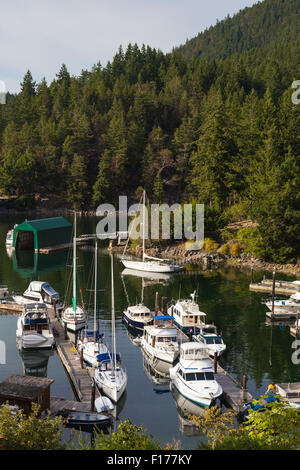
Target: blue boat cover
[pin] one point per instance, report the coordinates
(164, 317)
(104, 358)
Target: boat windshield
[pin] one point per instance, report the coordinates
(190, 377)
(166, 339)
(217, 340)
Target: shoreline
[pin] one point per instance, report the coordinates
(213, 259)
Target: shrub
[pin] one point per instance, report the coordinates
(210, 245)
(252, 240)
(224, 250)
(235, 249)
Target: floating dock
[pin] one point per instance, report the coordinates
(281, 287)
(81, 378)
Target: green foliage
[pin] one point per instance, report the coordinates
(218, 129)
(30, 433)
(235, 249)
(210, 245)
(277, 428)
(252, 240)
(127, 437)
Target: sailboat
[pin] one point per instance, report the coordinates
(149, 263)
(74, 316)
(91, 342)
(110, 377)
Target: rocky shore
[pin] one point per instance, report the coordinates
(210, 259)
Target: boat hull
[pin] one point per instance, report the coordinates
(35, 341)
(166, 356)
(149, 266)
(138, 325)
(115, 390)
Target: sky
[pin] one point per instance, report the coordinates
(41, 35)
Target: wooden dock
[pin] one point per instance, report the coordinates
(284, 315)
(281, 287)
(81, 378)
(8, 306)
(64, 246)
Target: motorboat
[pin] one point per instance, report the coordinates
(187, 315)
(149, 264)
(208, 335)
(160, 339)
(138, 316)
(193, 375)
(91, 342)
(110, 376)
(292, 304)
(40, 291)
(74, 316)
(33, 327)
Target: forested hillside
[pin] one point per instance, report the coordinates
(264, 23)
(223, 132)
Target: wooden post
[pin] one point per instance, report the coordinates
(273, 292)
(244, 388)
(66, 331)
(156, 302)
(251, 275)
(216, 362)
(54, 306)
(81, 358)
(93, 395)
(297, 322)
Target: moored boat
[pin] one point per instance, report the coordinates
(193, 375)
(187, 315)
(160, 339)
(33, 327)
(208, 335)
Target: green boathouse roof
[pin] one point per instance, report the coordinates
(42, 233)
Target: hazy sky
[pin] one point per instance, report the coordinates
(40, 35)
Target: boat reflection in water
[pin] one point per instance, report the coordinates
(149, 278)
(157, 372)
(35, 362)
(185, 408)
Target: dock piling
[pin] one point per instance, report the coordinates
(215, 362)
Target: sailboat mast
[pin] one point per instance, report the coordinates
(74, 265)
(144, 200)
(113, 316)
(95, 293)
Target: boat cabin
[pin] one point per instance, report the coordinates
(193, 352)
(139, 312)
(160, 335)
(35, 317)
(41, 291)
(187, 314)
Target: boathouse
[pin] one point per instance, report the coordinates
(22, 391)
(42, 233)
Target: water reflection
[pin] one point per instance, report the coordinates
(157, 372)
(31, 265)
(35, 362)
(185, 408)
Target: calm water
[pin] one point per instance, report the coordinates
(255, 349)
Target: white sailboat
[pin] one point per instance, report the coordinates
(92, 346)
(74, 316)
(156, 265)
(110, 377)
